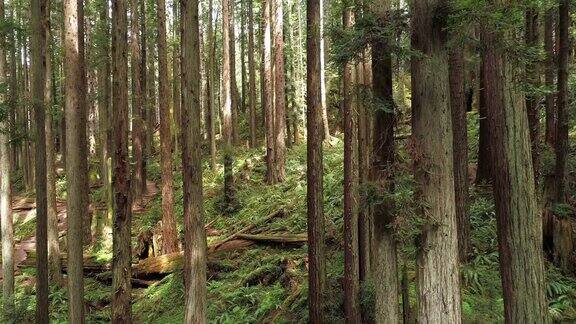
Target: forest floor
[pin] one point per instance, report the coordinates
(254, 281)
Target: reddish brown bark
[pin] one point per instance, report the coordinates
(351, 198)
(562, 102)
(315, 171)
(169, 232)
(460, 148)
(549, 69)
(518, 222)
(121, 269)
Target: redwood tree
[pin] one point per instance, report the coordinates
(563, 121)
(251, 75)
(433, 162)
(460, 147)
(385, 263)
(38, 39)
(267, 98)
(76, 149)
(550, 67)
(195, 245)
(121, 261)
(139, 184)
(6, 222)
(169, 232)
(279, 93)
(518, 221)
(315, 170)
(351, 198)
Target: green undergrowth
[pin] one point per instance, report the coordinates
(261, 283)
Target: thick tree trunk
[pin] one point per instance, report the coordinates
(364, 161)
(227, 106)
(38, 14)
(518, 221)
(267, 99)
(460, 147)
(195, 236)
(549, 69)
(251, 75)
(139, 183)
(121, 285)
(562, 126)
(169, 232)
(54, 263)
(315, 171)
(438, 266)
(385, 263)
(532, 100)
(279, 93)
(351, 197)
(38, 42)
(6, 222)
(76, 149)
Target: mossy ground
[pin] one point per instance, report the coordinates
(235, 294)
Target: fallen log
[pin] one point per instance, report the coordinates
(168, 263)
(280, 239)
(277, 213)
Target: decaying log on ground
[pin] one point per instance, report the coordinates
(248, 228)
(271, 238)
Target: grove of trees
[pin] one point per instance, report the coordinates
(368, 161)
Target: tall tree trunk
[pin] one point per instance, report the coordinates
(549, 69)
(483, 174)
(532, 100)
(6, 222)
(195, 235)
(176, 82)
(139, 185)
(244, 81)
(54, 263)
(211, 87)
(385, 264)
(562, 126)
(325, 124)
(227, 104)
(152, 116)
(518, 220)
(279, 95)
(267, 99)
(104, 112)
(121, 269)
(364, 163)
(38, 42)
(315, 170)
(233, 84)
(169, 232)
(434, 171)
(76, 149)
(351, 198)
(460, 147)
(251, 75)
(143, 113)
